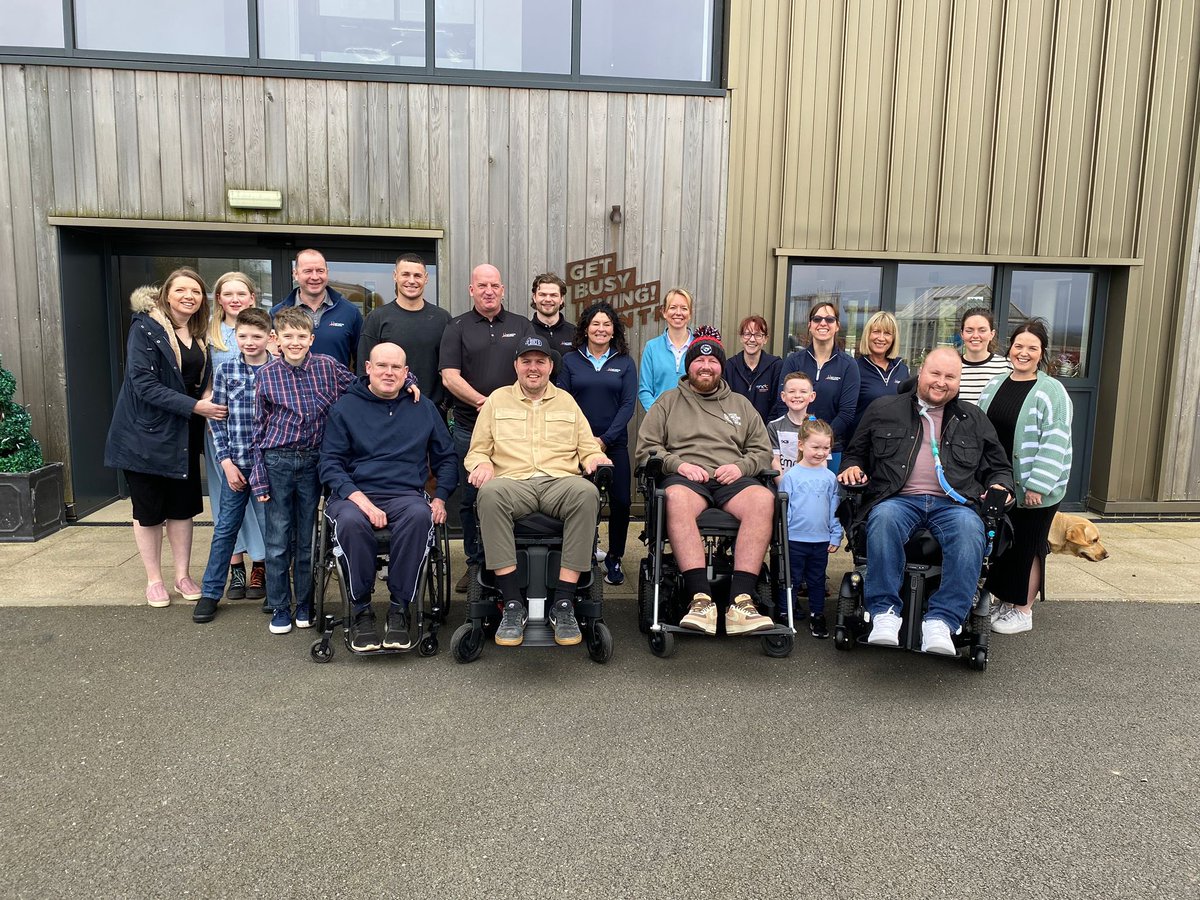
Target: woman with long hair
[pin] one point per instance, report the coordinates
(981, 362)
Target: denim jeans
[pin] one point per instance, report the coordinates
(808, 562)
(250, 536)
(472, 546)
(229, 520)
(291, 512)
(957, 529)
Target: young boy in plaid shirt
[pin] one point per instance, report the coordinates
(293, 394)
(233, 385)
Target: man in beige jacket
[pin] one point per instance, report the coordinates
(530, 443)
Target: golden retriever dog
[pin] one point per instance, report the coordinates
(1076, 536)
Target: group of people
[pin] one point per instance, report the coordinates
(275, 405)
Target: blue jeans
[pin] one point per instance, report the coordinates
(808, 562)
(229, 519)
(957, 529)
(250, 537)
(472, 546)
(291, 512)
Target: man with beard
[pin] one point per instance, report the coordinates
(926, 460)
(712, 443)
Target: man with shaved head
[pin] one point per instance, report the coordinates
(476, 358)
(926, 460)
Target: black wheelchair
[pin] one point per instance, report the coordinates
(922, 574)
(539, 554)
(661, 595)
(427, 612)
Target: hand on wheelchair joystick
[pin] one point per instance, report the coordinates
(853, 475)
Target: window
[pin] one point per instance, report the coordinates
(929, 301)
(28, 23)
(358, 32)
(183, 27)
(856, 290)
(669, 39)
(504, 35)
(1064, 299)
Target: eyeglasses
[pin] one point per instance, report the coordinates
(752, 335)
(823, 320)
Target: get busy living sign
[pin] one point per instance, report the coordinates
(598, 278)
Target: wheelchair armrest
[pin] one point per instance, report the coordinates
(651, 468)
(602, 478)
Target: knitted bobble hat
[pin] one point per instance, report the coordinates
(706, 341)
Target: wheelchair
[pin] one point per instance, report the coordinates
(539, 553)
(427, 612)
(661, 597)
(922, 575)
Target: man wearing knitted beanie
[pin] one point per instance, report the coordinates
(712, 443)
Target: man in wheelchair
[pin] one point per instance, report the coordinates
(530, 443)
(375, 461)
(712, 443)
(926, 460)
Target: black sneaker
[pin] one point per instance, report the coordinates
(363, 636)
(512, 626)
(614, 574)
(205, 610)
(566, 629)
(396, 636)
(817, 627)
(237, 582)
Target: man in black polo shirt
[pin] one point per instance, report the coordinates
(477, 354)
(549, 292)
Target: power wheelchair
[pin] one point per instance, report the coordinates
(922, 575)
(661, 597)
(539, 540)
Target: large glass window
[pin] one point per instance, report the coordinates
(504, 35)
(856, 290)
(185, 27)
(31, 23)
(929, 301)
(1064, 299)
(667, 39)
(366, 32)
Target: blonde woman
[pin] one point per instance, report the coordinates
(662, 357)
(881, 370)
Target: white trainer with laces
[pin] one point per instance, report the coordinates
(935, 638)
(885, 629)
(999, 609)
(1013, 622)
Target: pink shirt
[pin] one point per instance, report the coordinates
(923, 477)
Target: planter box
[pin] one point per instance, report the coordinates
(31, 503)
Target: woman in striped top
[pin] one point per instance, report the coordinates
(1032, 415)
(981, 362)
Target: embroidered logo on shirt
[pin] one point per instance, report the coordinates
(733, 418)
(337, 324)
(508, 335)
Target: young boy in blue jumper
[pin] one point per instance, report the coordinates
(813, 528)
(233, 386)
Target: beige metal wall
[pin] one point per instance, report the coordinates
(1005, 130)
(521, 178)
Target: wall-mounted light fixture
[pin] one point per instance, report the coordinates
(255, 199)
(615, 216)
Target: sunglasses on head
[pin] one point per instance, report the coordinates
(823, 320)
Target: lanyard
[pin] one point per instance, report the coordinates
(923, 411)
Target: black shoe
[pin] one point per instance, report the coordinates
(237, 582)
(512, 626)
(566, 628)
(256, 587)
(205, 610)
(363, 635)
(396, 636)
(817, 627)
(614, 574)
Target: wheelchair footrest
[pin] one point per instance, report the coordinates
(539, 634)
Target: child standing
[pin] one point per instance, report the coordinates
(813, 529)
(232, 441)
(797, 392)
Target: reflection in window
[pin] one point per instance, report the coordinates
(855, 289)
(667, 39)
(370, 32)
(504, 35)
(1064, 300)
(930, 300)
(369, 285)
(31, 23)
(186, 27)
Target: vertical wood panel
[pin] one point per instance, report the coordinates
(558, 162)
(711, 210)
(232, 135)
(614, 174)
(537, 173)
(463, 212)
(689, 205)
(634, 169)
(495, 141)
(145, 126)
(62, 140)
(378, 197)
(316, 150)
(670, 195)
(295, 113)
(596, 146)
(212, 122)
(575, 198)
(10, 313)
(339, 157)
(398, 188)
(170, 151)
(652, 207)
(358, 153)
(418, 156)
(475, 145)
(276, 138)
(439, 186)
(108, 188)
(191, 153)
(125, 103)
(85, 142)
(523, 265)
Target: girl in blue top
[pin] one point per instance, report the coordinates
(602, 378)
(662, 358)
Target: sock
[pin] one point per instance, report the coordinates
(695, 581)
(510, 588)
(742, 583)
(562, 593)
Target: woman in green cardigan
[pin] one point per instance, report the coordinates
(1032, 415)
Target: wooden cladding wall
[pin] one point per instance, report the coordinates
(997, 128)
(521, 178)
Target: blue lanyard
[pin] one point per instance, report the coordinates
(923, 412)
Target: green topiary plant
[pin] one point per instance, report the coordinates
(19, 452)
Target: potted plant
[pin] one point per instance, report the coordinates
(31, 493)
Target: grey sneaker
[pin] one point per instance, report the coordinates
(363, 635)
(566, 628)
(512, 626)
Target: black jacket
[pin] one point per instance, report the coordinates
(889, 435)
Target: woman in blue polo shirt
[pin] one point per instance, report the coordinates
(602, 378)
(662, 357)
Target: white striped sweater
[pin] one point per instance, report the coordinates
(1042, 441)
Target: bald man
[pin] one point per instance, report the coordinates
(926, 460)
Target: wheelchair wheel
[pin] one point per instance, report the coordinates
(599, 643)
(645, 602)
(662, 643)
(467, 643)
(978, 659)
(842, 639)
(777, 646)
(321, 651)
(428, 646)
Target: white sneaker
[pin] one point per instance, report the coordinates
(885, 629)
(1013, 622)
(999, 609)
(935, 638)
